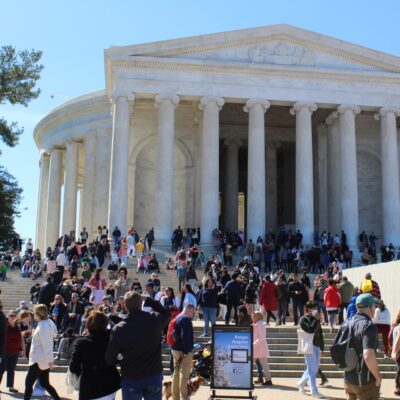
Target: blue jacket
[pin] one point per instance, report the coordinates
(184, 331)
(352, 308)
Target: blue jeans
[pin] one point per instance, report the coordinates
(134, 392)
(312, 365)
(210, 315)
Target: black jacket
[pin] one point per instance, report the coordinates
(47, 293)
(234, 292)
(3, 330)
(88, 360)
(79, 309)
(138, 339)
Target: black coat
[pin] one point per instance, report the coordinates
(3, 329)
(138, 339)
(47, 293)
(88, 361)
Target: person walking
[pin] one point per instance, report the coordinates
(260, 349)
(135, 343)
(282, 298)
(208, 304)
(182, 353)
(14, 347)
(332, 302)
(268, 298)
(97, 379)
(382, 321)
(310, 323)
(298, 294)
(234, 296)
(364, 382)
(346, 290)
(41, 359)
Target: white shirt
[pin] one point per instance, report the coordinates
(42, 345)
(62, 259)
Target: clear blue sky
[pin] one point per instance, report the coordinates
(73, 34)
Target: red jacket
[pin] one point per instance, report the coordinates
(332, 297)
(268, 296)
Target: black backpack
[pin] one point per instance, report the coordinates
(343, 352)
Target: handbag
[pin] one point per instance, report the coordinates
(305, 342)
(72, 382)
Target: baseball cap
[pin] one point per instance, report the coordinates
(365, 300)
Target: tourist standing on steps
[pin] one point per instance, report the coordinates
(268, 298)
(182, 352)
(139, 350)
(14, 348)
(364, 383)
(41, 359)
(208, 304)
(382, 321)
(298, 293)
(310, 323)
(260, 349)
(234, 296)
(282, 297)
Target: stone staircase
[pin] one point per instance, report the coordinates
(283, 362)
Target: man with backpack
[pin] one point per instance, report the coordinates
(180, 338)
(354, 352)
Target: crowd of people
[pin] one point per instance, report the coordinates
(91, 302)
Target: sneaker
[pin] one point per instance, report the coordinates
(258, 380)
(267, 383)
(204, 335)
(317, 395)
(301, 388)
(13, 390)
(386, 356)
(324, 383)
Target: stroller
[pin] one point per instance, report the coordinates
(202, 361)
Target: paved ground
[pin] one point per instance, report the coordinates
(283, 389)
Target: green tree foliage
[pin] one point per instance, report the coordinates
(19, 72)
(9, 200)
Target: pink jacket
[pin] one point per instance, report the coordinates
(260, 345)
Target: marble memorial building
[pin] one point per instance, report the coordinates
(252, 129)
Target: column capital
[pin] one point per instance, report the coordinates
(166, 97)
(116, 94)
(251, 103)
(386, 111)
(299, 105)
(349, 107)
(332, 119)
(219, 101)
(232, 142)
(44, 154)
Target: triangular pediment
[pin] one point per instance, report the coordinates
(277, 45)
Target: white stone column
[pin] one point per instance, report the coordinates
(334, 187)
(304, 170)
(256, 168)
(231, 181)
(70, 187)
(209, 196)
(88, 192)
(390, 176)
(166, 104)
(54, 199)
(348, 173)
(42, 201)
(322, 178)
(118, 194)
(271, 171)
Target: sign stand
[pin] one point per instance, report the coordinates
(232, 365)
(215, 396)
